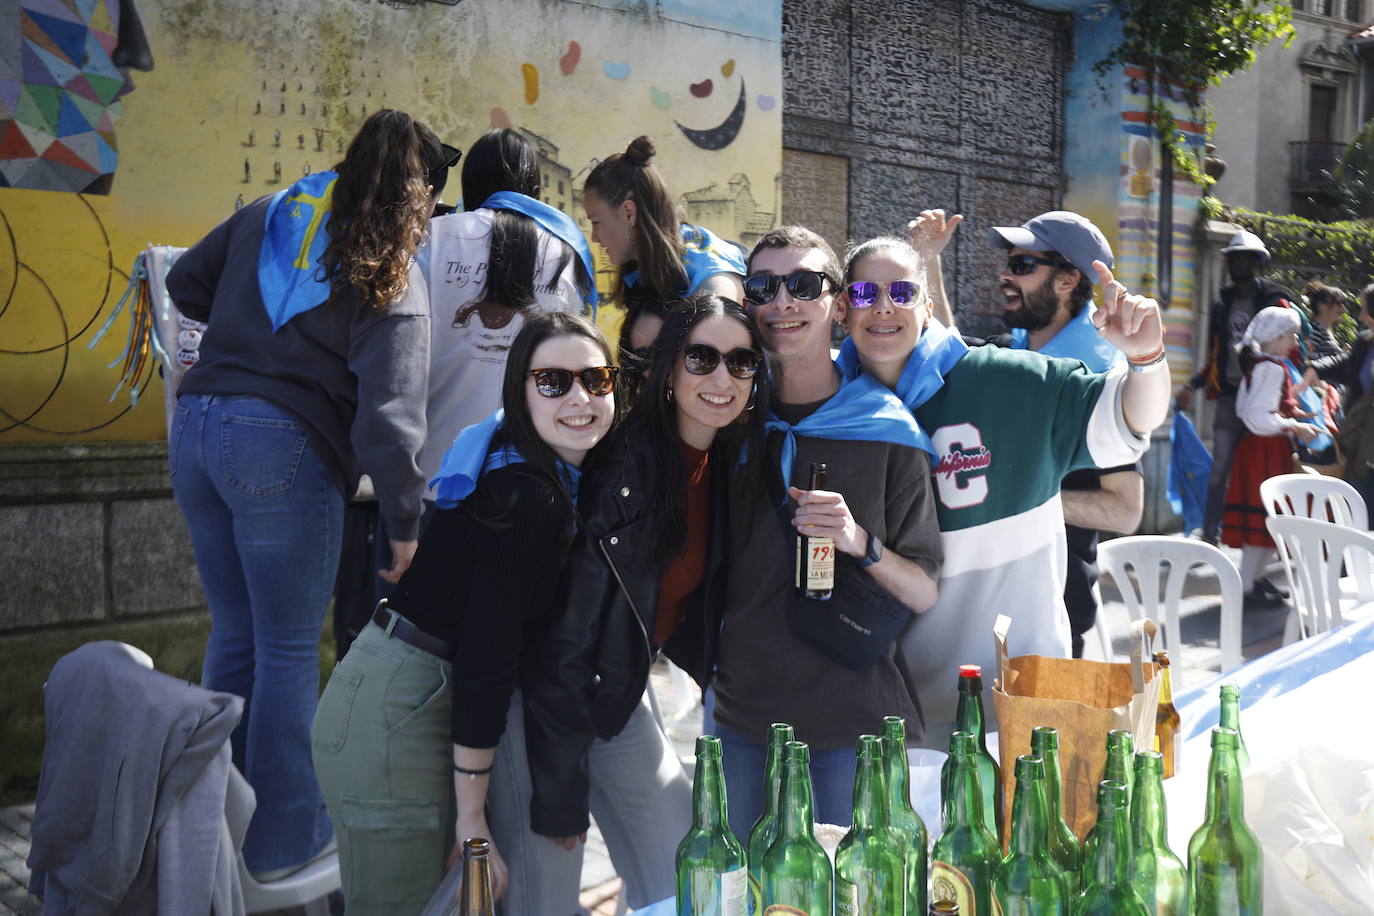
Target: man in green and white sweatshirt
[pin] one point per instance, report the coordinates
(1007, 425)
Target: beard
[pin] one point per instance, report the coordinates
(1037, 309)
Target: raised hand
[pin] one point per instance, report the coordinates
(1129, 322)
(930, 232)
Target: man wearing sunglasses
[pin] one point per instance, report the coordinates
(1048, 308)
(876, 507)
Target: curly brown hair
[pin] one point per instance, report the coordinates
(380, 208)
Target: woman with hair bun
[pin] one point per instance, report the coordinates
(311, 372)
(660, 258)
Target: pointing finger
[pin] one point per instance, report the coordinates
(1104, 274)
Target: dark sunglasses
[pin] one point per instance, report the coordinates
(802, 284)
(1022, 264)
(702, 359)
(864, 293)
(554, 383)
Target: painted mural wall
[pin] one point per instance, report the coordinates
(243, 97)
(1112, 166)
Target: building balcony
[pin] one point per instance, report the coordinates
(1312, 162)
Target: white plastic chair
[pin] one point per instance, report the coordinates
(1147, 556)
(1309, 496)
(1326, 499)
(1313, 553)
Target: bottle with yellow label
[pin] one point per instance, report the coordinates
(967, 854)
(816, 556)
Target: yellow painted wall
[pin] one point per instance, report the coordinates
(184, 131)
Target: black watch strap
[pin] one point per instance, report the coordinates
(874, 553)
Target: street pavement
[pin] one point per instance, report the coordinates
(1262, 631)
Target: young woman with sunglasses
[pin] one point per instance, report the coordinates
(1006, 426)
(307, 376)
(422, 711)
(647, 575)
(659, 258)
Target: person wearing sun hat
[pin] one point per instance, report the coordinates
(1248, 294)
(1051, 311)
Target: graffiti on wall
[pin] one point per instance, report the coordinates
(247, 97)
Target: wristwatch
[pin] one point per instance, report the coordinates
(875, 551)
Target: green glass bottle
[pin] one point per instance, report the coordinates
(1107, 889)
(1225, 864)
(969, 717)
(902, 818)
(765, 829)
(870, 868)
(1157, 874)
(966, 854)
(797, 877)
(712, 874)
(1120, 755)
(1028, 881)
(1230, 718)
(1063, 843)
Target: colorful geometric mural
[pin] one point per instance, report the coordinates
(248, 96)
(60, 85)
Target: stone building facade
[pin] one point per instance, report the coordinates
(893, 106)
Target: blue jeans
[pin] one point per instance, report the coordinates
(265, 517)
(832, 782)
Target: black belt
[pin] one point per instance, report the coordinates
(397, 627)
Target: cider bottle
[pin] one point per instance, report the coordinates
(815, 555)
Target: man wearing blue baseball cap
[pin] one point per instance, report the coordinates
(1047, 284)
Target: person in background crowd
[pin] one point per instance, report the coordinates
(773, 664)
(308, 375)
(1055, 318)
(1354, 369)
(1267, 403)
(1327, 304)
(424, 711)
(1249, 293)
(659, 258)
(1007, 427)
(647, 573)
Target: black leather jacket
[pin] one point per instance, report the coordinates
(589, 670)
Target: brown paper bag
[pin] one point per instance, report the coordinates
(1084, 700)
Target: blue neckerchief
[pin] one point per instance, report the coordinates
(704, 254)
(1076, 340)
(557, 223)
(297, 233)
(930, 361)
(471, 455)
(863, 409)
(1311, 402)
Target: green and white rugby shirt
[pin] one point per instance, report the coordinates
(1007, 426)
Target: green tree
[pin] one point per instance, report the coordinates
(1191, 44)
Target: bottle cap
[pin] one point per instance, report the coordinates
(970, 670)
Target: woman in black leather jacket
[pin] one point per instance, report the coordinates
(646, 573)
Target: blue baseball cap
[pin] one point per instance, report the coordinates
(1073, 236)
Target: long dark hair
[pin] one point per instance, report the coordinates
(518, 429)
(631, 176)
(380, 207)
(653, 418)
(503, 160)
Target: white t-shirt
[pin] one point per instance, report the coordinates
(469, 342)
